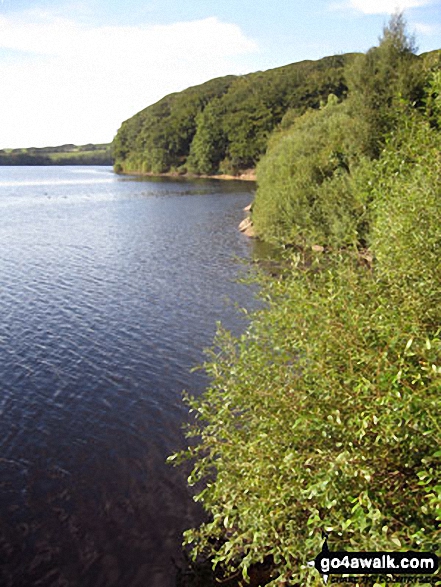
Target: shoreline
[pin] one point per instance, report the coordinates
(248, 175)
(246, 225)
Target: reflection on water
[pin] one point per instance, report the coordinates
(110, 289)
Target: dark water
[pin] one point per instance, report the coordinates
(110, 288)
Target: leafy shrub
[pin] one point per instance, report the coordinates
(321, 416)
(304, 184)
(406, 235)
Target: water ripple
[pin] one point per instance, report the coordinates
(109, 291)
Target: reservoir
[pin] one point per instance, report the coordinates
(110, 289)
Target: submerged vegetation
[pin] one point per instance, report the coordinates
(325, 414)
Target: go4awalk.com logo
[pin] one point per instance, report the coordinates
(373, 563)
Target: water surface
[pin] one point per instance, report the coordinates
(110, 288)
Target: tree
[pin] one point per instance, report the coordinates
(209, 143)
(382, 81)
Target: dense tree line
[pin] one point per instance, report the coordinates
(24, 159)
(325, 414)
(224, 124)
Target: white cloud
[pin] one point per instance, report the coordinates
(386, 6)
(63, 81)
(426, 29)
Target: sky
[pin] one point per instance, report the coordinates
(72, 71)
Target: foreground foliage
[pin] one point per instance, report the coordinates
(325, 413)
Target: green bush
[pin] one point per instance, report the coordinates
(406, 235)
(322, 416)
(305, 190)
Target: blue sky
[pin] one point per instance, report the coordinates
(72, 71)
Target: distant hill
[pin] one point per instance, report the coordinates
(432, 58)
(69, 154)
(223, 125)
